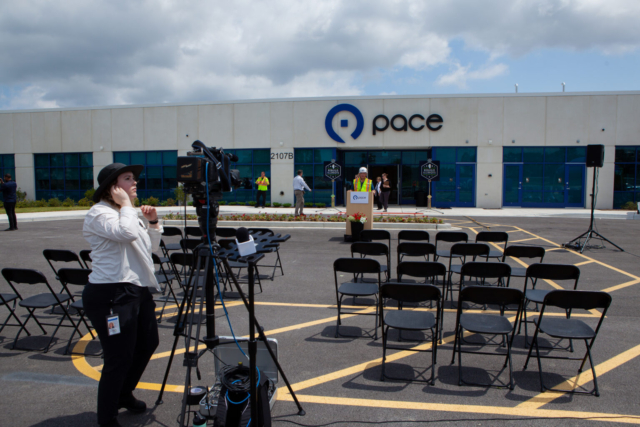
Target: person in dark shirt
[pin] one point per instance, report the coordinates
(8, 188)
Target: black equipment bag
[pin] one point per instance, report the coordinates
(234, 408)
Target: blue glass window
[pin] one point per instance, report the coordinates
(63, 175)
(626, 180)
(311, 162)
(250, 164)
(7, 166)
(158, 178)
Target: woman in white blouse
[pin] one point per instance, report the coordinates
(117, 299)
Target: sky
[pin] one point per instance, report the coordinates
(81, 53)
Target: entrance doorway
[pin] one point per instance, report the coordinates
(393, 172)
(544, 186)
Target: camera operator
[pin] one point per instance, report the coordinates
(118, 300)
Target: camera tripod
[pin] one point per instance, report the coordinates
(214, 259)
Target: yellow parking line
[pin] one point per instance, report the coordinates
(620, 286)
(581, 379)
(523, 240)
(456, 408)
(583, 263)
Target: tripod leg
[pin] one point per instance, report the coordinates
(607, 240)
(263, 337)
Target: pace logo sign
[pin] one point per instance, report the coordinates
(381, 122)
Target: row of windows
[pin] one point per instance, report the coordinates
(311, 162)
(250, 164)
(63, 175)
(7, 166)
(158, 178)
(626, 181)
(544, 154)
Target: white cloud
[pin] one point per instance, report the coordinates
(461, 75)
(77, 52)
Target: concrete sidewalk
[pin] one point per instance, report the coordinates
(394, 210)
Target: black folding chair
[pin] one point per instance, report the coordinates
(85, 256)
(572, 329)
(15, 276)
(553, 272)
(256, 232)
(486, 324)
(413, 236)
(193, 232)
(240, 265)
(6, 300)
(415, 249)
(429, 273)
(77, 277)
(409, 320)
(365, 249)
(462, 251)
(522, 252)
(171, 232)
(375, 235)
(357, 287)
(189, 244)
(493, 237)
(165, 279)
(225, 232)
(449, 237)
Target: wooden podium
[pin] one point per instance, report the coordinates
(364, 208)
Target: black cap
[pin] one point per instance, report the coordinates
(110, 173)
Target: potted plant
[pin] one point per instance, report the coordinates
(357, 221)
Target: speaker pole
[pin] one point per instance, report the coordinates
(591, 232)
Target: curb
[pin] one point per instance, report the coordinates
(313, 224)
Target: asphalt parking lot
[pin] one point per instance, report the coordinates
(338, 380)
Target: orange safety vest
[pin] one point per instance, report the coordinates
(364, 186)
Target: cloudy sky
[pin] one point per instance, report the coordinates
(69, 53)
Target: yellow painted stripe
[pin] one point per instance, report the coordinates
(621, 286)
(583, 263)
(472, 409)
(523, 240)
(581, 379)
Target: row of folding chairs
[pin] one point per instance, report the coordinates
(476, 293)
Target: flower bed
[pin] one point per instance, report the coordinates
(310, 218)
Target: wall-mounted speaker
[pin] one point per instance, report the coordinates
(595, 156)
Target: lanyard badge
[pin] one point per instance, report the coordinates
(113, 324)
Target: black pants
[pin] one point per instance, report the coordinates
(376, 198)
(126, 354)
(262, 194)
(10, 207)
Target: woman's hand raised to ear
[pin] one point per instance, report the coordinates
(120, 196)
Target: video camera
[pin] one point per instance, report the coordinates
(206, 173)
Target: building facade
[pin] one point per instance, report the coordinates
(503, 150)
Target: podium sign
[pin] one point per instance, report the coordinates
(359, 197)
(430, 170)
(332, 171)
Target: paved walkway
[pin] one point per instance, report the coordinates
(395, 210)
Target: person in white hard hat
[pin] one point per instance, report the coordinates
(362, 183)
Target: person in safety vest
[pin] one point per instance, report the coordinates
(263, 184)
(362, 183)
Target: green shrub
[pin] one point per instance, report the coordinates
(54, 203)
(267, 205)
(321, 205)
(170, 202)
(222, 202)
(190, 203)
(252, 203)
(85, 202)
(1, 204)
(151, 201)
(89, 193)
(276, 205)
(39, 204)
(286, 205)
(179, 193)
(629, 206)
(308, 205)
(136, 202)
(68, 202)
(233, 203)
(21, 195)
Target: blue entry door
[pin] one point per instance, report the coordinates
(456, 187)
(550, 185)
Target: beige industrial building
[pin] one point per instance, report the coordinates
(495, 150)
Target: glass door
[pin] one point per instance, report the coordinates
(512, 191)
(466, 188)
(574, 190)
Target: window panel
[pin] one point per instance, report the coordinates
(57, 179)
(86, 159)
(138, 158)
(71, 160)
(72, 174)
(261, 156)
(303, 155)
(41, 160)
(554, 154)
(244, 156)
(625, 154)
(154, 158)
(533, 154)
(532, 177)
(512, 154)
(624, 178)
(56, 160)
(621, 198)
(322, 155)
(445, 155)
(554, 176)
(356, 158)
(467, 154)
(8, 161)
(154, 178)
(121, 158)
(170, 158)
(576, 155)
(319, 182)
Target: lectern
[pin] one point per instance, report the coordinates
(359, 202)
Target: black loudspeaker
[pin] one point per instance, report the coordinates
(595, 156)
